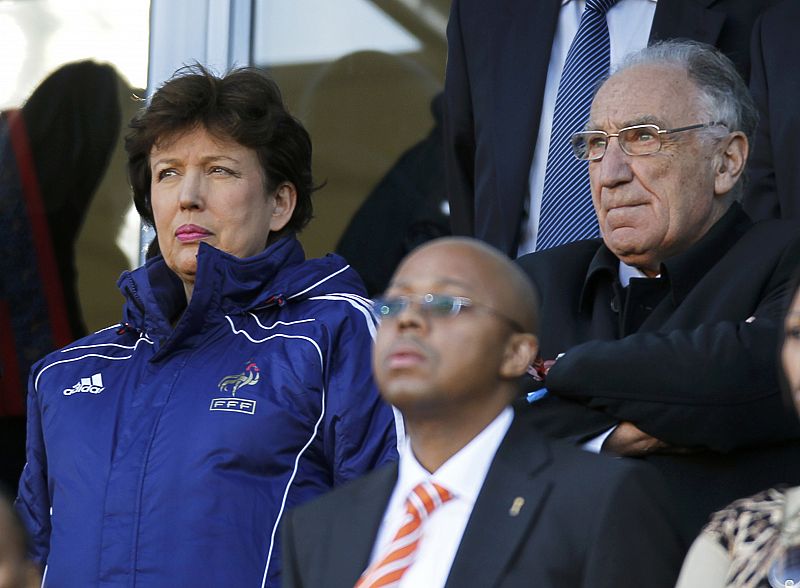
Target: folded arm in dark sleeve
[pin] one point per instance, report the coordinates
(714, 387)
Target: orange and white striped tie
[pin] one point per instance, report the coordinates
(388, 570)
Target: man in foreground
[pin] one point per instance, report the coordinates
(479, 497)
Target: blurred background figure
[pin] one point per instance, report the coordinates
(755, 542)
(16, 570)
(407, 208)
(363, 77)
(357, 137)
(63, 199)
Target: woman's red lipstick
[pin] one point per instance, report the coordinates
(189, 233)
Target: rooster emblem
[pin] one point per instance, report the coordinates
(249, 377)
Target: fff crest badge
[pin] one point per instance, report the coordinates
(231, 385)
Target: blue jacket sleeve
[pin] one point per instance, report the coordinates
(361, 430)
(33, 500)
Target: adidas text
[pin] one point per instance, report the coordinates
(93, 385)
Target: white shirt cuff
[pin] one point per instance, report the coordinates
(596, 445)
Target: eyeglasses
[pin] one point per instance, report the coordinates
(633, 140)
(434, 305)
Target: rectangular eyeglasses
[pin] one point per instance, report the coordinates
(633, 140)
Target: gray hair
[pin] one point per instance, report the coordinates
(723, 93)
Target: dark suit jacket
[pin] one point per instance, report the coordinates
(677, 357)
(498, 53)
(774, 187)
(587, 521)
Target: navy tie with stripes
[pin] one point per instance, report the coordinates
(567, 213)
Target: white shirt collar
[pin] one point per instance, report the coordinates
(464, 473)
(626, 272)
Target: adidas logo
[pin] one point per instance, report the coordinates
(93, 385)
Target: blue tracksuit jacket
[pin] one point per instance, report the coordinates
(163, 456)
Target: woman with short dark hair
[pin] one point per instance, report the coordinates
(164, 451)
(244, 106)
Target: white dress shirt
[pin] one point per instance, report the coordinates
(628, 272)
(463, 475)
(629, 23)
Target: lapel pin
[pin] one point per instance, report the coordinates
(516, 506)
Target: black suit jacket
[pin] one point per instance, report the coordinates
(587, 521)
(774, 187)
(498, 53)
(681, 357)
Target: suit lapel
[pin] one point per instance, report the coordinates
(519, 40)
(509, 503)
(686, 19)
(356, 526)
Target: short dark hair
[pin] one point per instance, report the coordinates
(244, 105)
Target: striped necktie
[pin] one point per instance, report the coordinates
(399, 554)
(567, 213)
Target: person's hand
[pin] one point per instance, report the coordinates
(630, 441)
(539, 368)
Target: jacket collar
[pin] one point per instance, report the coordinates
(511, 499)
(356, 524)
(682, 271)
(226, 284)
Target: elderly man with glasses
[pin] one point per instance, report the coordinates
(664, 331)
